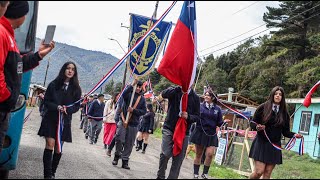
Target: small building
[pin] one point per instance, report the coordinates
(306, 122)
(34, 91)
(233, 100)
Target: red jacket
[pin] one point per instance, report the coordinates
(12, 65)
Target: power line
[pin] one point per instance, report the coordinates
(245, 7)
(232, 38)
(243, 33)
(266, 30)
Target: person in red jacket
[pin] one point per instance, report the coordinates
(12, 64)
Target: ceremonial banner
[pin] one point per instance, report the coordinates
(146, 54)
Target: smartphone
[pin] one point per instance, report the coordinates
(49, 34)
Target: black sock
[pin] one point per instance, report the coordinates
(196, 169)
(140, 144)
(55, 162)
(145, 146)
(47, 163)
(206, 169)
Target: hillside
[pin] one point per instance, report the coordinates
(92, 65)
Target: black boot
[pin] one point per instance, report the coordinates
(47, 163)
(55, 163)
(115, 160)
(144, 148)
(139, 145)
(125, 164)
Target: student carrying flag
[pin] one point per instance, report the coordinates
(179, 66)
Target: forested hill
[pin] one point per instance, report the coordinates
(288, 57)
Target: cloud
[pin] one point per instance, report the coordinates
(89, 24)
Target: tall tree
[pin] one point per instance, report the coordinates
(293, 18)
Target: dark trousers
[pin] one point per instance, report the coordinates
(95, 129)
(112, 144)
(4, 124)
(125, 138)
(166, 154)
(84, 125)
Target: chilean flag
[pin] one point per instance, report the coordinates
(307, 99)
(179, 64)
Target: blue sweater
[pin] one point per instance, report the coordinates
(210, 119)
(96, 110)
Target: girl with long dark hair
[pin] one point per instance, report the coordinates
(273, 117)
(62, 91)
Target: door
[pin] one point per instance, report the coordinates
(25, 37)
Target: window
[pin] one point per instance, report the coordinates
(305, 122)
(26, 34)
(316, 120)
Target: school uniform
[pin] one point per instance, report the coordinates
(261, 149)
(125, 137)
(57, 95)
(54, 97)
(205, 132)
(147, 122)
(95, 110)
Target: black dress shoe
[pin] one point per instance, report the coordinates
(125, 164)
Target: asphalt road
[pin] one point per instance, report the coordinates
(81, 160)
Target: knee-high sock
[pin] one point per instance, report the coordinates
(145, 146)
(47, 163)
(140, 144)
(196, 169)
(55, 162)
(206, 169)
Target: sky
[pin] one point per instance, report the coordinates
(89, 24)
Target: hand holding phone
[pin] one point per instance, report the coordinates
(47, 44)
(49, 34)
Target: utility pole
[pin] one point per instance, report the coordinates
(125, 70)
(45, 77)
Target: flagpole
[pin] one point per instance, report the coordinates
(296, 110)
(155, 10)
(198, 76)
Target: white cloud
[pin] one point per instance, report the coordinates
(89, 24)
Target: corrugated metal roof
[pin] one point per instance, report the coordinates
(300, 100)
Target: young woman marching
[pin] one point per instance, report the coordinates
(204, 136)
(146, 128)
(110, 125)
(62, 91)
(273, 117)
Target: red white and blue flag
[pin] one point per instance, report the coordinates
(307, 99)
(59, 132)
(179, 64)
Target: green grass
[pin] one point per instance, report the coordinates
(157, 133)
(221, 172)
(297, 167)
(215, 170)
(293, 167)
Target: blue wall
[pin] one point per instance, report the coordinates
(311, 143)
